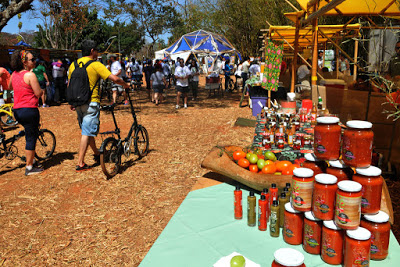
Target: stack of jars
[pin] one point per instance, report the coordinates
(332, 212)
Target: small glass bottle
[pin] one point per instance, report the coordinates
(238, 203)
(283, 199)
(251, 209)
(274, 219)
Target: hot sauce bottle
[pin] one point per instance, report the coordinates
(293, 226)
(357, 247)
(273, 193)
(324, 195)
(332, 243)
(348, 205)
(283, 199)
(379, 227)
(312, 233)
(285, 257)
(251, 209)
(371, 181)
(274, 219)
(266, 194)
(262, 213)
(238, 203)
(303, 183)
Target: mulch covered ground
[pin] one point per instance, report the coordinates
(62, 216)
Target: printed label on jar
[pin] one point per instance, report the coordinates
(365, 203)
(360, 258)
(320, 205)
(348, 211)
(302, 193)
(321, 149)
(309, 236)
(327, 249)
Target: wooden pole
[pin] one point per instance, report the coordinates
(317, 13)
(337, 62)
(269, 98)
(296, 51)
(355, 59)
(314, 68)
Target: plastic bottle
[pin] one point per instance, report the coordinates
(266, 194)
(238, 203)
(274, 219)
(251, 209)
(273, 193)
(262, 213)
(283, 199)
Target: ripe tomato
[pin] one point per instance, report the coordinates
(288, 170)
(269, 162)
(238, 154)
(269, 169)
(282, 165)
(295, 166)
(243, 162)
(253, 168)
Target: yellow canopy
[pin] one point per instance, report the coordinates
(388, 8)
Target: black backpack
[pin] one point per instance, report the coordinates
(78, 91)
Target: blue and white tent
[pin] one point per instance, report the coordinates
(200, 42)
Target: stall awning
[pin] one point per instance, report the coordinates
(389, 8)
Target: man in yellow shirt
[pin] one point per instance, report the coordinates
(89, 114)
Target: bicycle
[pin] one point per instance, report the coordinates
(7, 115)
(112, 149)
(45, 145)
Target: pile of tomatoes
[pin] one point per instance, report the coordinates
(263, 163)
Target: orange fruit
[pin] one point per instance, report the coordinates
(238, 154)
(269, 162)
(243, 162)
(282, 165)
(253, 168)
(288, 170)
(269, 169)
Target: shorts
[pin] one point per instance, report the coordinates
(8, 94)
(118, 87)
(29, 118)
(182, 89)
(42, 85)
(89, 118)
(159, 88)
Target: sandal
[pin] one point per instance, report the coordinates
(85, 167)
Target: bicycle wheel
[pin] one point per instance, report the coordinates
(141, 141)
(8, 120)
(45, 145)
(110, 158)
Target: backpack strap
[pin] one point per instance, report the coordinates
(98, 80)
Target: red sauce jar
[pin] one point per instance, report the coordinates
(324, 194)
(300, 137)
(302, 188)
(340, 170)
(327, 138)
(312, 233)
(371, 181)
(288, 257)
(357, 144)
(379, 227)
(357, 246)
(318, 166)
(332, 243)
(348, 205)
(293, 225)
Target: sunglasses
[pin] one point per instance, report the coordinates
(32, 59)
(397, 47)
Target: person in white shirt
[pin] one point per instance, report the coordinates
(182, 74)
(303, 72)
(254, 68)
(116, 69)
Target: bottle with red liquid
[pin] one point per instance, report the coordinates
(238, 203)
(273, 193)
(262, 213)
(266, 194)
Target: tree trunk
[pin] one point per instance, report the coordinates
(13, 9)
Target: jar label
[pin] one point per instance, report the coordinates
(360, 258)
(374, 249)
(365, 203)
(321, 149)
(327, 249)
(289, 233)
(273, 222)
(348, 211)
(302, 193)
(309, 236)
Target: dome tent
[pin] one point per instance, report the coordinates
(200, 42)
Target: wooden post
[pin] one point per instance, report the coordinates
(314, 69)
(337, 62)
(269, 98)
(296, 51)
(355, 60)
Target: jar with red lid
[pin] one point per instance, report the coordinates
(302, 188)
(340, 170)
(357, 144)
(324, 194)
(293, 225)
(332, 243)
(357, 246)
(327, 134)
(348, 205)
(312, 233)
(371, 181)
(379, 227)
(288, 257)
(318, 166)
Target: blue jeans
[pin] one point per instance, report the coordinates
(29, 118)
(89, 118)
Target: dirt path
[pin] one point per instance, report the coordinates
(62, 216)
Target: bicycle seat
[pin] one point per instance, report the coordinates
(108, 107)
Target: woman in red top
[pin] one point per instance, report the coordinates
(26, 99)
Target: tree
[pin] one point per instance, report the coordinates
(10, 8)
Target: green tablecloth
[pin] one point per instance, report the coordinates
(203, 230)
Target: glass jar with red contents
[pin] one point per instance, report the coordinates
(266, 140)
(318, 166)
(297, 125)
(348, 205)
(340, 170)
(292, 226)
(379, 227)
(357, 144)
(300, 136)
(327, 138)
(307, 141)
(371, 181)
(357, 247)
(332, 243)
(280, 140)
(302, 189)
(288, 257)
(312, 233)
(324, 194)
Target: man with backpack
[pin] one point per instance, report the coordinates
(83, 96)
